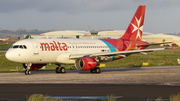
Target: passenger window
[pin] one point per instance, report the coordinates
(24, 47)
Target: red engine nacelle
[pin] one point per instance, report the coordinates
(85, 63)
(36, 66)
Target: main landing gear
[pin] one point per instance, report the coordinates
(60, 69)
(96, 70)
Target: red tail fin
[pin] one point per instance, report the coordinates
(174, 47)
(134, 31)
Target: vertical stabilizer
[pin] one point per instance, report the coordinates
(135, 28)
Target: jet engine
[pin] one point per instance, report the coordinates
(85, 63)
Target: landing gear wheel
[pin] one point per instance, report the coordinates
(92, 70)
(95, 70)
(57, 70)
(27, 72)
(60, 70)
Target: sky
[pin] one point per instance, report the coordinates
(162, 16)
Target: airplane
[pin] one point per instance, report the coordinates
(85, 54)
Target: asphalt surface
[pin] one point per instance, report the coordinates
(129, 84)
(163, 75)
(20, 92)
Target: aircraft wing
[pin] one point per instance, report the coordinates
(121, 53)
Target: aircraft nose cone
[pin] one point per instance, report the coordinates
(9, 55)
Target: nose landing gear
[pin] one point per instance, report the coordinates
(27, 72)
(27, 67)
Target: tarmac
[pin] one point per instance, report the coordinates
(128, 84)
(161, 75)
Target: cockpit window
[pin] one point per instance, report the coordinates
(15, 46)
(19, 46)
(24, 47)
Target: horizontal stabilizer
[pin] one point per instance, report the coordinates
(155, 44)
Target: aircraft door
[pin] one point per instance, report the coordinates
(35, 47)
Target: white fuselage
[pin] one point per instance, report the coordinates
(54, 50)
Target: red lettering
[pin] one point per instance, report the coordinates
(59, 46)
(45, 46)
(64, 46)
(54, 46)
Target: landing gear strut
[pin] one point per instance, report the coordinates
(60, 69)
(96, 70)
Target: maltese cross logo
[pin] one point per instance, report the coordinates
(138, 27)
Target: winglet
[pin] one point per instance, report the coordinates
(135, 28)
(174, 47)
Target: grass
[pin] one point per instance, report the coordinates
(157, 58)
(5, 46)
(175, 97)
(172, 98)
